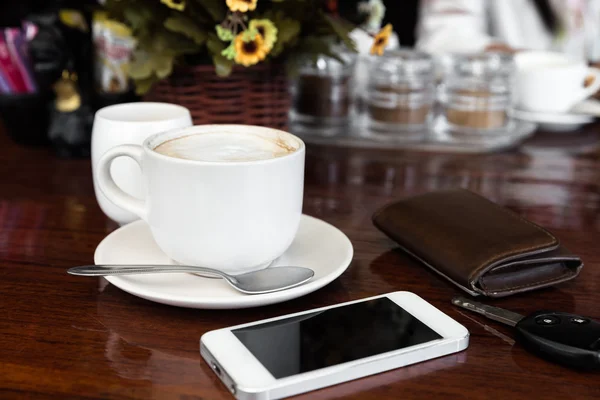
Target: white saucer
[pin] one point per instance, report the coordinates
(318, 245)
(589, 107)
(556, 122)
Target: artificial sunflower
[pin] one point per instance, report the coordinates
(249, 48)
(178, 5)
(241, 5)
(381, 40)
(267, 30)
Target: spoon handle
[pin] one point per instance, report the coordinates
(107, 270)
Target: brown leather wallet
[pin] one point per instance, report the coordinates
(479, 246)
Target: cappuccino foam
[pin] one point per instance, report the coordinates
(224, 146)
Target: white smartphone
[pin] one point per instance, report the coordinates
(297, 353)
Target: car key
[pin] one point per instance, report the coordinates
(564, 338)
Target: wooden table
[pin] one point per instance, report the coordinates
(67, 337)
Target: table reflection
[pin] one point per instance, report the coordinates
(559, 192)
(20, 228)
(134, 352)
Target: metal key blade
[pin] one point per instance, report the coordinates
(495, 313)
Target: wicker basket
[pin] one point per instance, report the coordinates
(254, 96)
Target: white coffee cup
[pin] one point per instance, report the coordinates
(130, 123)
(551, 82)
(235, 216)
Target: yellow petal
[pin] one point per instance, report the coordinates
(241, 5)
(174, 4)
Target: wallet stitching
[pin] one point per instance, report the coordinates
(476, 276)
(563, 270)
(560, 259)
(561, 279)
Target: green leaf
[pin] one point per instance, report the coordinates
(140, 67)
(142, 86)
(169, 42)
(163, 65)
(215, 8)
(223, 66)
(179, 23)
(155, 56)
(313, 46)
(225, 35)
(137, 18)
(341, 29)
(229, 52)
(214, 44)
(249, 35)
(287, 31)
(198, 15)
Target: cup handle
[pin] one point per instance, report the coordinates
(593, 88)
(108, 185)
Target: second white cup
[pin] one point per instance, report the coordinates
(551, 82)
(130, 123)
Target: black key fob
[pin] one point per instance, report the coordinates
(564, 338)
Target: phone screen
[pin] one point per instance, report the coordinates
(325, 338)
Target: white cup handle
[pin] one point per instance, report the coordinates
(107, 183)
(592, 89)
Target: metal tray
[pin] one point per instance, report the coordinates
(439, 138)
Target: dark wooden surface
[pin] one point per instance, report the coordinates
(68, 337)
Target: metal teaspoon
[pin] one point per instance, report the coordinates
(266, 280)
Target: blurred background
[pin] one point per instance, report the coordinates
(436, 74)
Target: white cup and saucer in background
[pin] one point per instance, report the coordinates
(548, 86)
(130, 123)
(227, 197)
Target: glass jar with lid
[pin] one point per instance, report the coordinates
(492, 64)
(322, 94)
(400, 94)
(476, 97)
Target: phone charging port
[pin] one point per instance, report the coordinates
(216, 368)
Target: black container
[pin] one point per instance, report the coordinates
(26, 117)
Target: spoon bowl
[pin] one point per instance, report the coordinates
(263, 281)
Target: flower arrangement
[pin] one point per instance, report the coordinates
(227, 33)
(381, 40)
